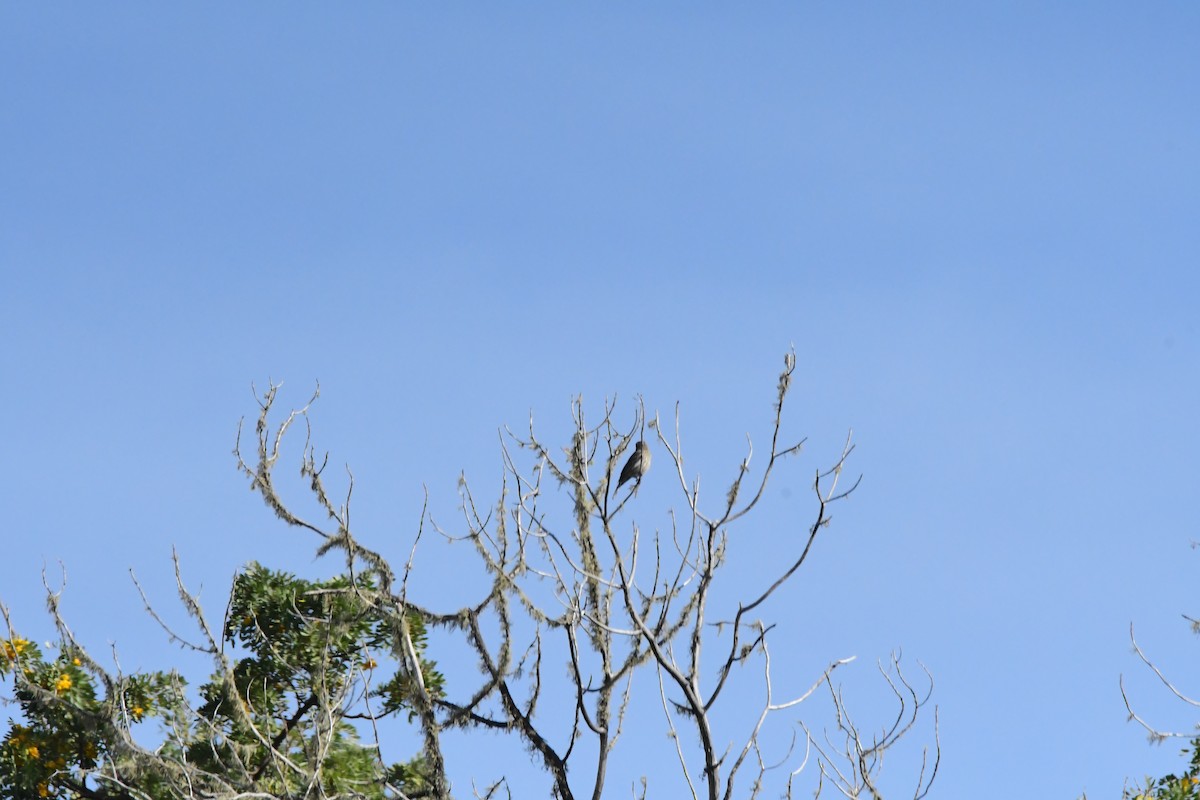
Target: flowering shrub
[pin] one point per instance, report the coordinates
(306, 650)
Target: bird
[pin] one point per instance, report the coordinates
(637, 465)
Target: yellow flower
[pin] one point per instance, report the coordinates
(77, 662)
(370, 663)
(138, 711)
(14, 648)
(43, 790)
(32, 751)
(64, 683)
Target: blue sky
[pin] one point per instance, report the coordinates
(976, 224)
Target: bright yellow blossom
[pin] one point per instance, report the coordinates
(32, 751)
(77, 662)
(64, 683)
(137, 712)
(43, 790)
(14, 648)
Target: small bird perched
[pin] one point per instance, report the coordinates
(637, 465)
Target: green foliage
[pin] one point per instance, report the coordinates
(64, 718)
(273, 721)
(1173, 787)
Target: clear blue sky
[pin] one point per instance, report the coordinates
(977, 223)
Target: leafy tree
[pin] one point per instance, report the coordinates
(577, 602)
(272, 723)
(1171, 786)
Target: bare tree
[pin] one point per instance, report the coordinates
(580, 611)
(1172, 786)
(616, 602)
(1156, 735)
